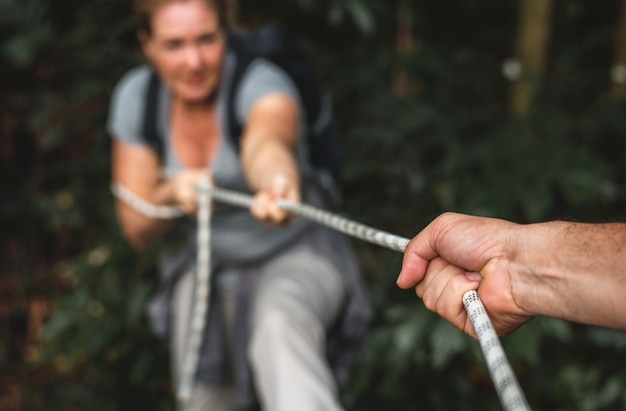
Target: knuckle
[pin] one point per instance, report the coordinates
(457, 285)
(429, 300)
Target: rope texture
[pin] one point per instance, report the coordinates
(202, 288)
(508, 389)
(335, 221)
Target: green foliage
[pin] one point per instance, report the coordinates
(59, 62)
(96, 344)
(450, 144)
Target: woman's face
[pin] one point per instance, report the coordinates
(187, 47)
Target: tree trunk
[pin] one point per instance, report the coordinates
(405, 47)
(618, 70)
(232, 14)
(531, 50)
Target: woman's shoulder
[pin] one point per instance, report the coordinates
(134, 80)
(261, 78)
(128, 103)
(262, 70)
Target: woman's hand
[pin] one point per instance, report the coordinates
(268, 156)
(278, 186)
(185, 188)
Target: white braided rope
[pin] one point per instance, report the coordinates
(335, 221)
(145, 207)
(508, 389)
(202, 294)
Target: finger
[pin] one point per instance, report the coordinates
(425, 246)
(188, 197)
(281, 188)
(437, 271)
(259, 206)
(417, 255)
(265, 209)
(278, 189)
(185, 188)
(449, 303)
(277, 215)
(442, 292)
(438, 275)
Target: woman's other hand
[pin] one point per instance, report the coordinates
(264, 205)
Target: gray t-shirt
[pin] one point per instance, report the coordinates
(237, 237)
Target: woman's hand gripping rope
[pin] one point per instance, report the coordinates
(265, 205)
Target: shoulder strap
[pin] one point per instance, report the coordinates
(243, 57)
(150, 129)
(273, 44)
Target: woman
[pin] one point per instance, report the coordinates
(288, 292)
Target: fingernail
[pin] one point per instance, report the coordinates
(399, 276)
(473, 276)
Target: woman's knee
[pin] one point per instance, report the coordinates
(276, 330)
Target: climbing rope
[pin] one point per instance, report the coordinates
(339, 223)
(202, 292)
(506, 384)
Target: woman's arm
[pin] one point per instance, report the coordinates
(137, 169)
(267, 155)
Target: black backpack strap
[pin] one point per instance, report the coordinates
(244, 57)
(150, 129)
(273, 44)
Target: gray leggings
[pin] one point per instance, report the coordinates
(295, 299)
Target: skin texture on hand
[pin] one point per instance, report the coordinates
(264, 205)
(185, 186)
(455, 254)
(566, 270)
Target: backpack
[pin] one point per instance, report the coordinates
(273, 44)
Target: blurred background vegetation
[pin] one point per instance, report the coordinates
(513, 109)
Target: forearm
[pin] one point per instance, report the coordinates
(268, 157)
(572, 271)
(141, 229)
(264, 158)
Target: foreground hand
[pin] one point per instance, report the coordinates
(457, 253)
(185, 185)
(264, 207)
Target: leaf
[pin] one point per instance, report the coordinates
(606, 338)
(136, 305)
(22, 49)
(446, 341)
(335, 14)
(362, 16)
(140, 368)
(559, 329)
(523, 345)
(57, 325)
(611, 390)
(19, 51)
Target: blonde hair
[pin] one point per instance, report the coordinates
(145, 9)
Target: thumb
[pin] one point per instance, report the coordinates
(279, 186)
